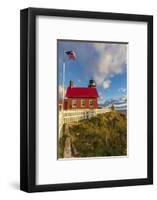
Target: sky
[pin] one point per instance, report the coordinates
(105, 62)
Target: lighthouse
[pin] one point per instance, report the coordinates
(81, 97)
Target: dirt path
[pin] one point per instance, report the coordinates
(67, 145)
(67, 148)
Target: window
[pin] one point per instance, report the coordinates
(74, 103)
(83, 103)
(91, 103)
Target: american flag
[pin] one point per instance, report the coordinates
(71, 54)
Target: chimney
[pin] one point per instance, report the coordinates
(71, 85)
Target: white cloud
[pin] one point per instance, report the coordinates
(106, 84)
(123, 90)
(101, 97)
(111, 61)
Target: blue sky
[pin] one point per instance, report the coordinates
(106, 63)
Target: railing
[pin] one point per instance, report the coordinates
(70, 116)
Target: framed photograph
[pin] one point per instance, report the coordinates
(86, 99)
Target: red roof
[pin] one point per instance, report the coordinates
(76, 92)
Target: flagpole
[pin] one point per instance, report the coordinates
(73, 56)
(63, 84)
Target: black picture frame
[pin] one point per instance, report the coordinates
(28, 99)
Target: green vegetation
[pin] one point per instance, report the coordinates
(103, 135)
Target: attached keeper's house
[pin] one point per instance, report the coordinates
(81, 97)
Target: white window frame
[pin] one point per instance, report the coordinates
(83, 100)
(91, 100)
(74, 105)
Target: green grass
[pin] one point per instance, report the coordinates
(103, 135)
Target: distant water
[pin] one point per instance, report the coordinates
(123, 111)
(119, 105)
